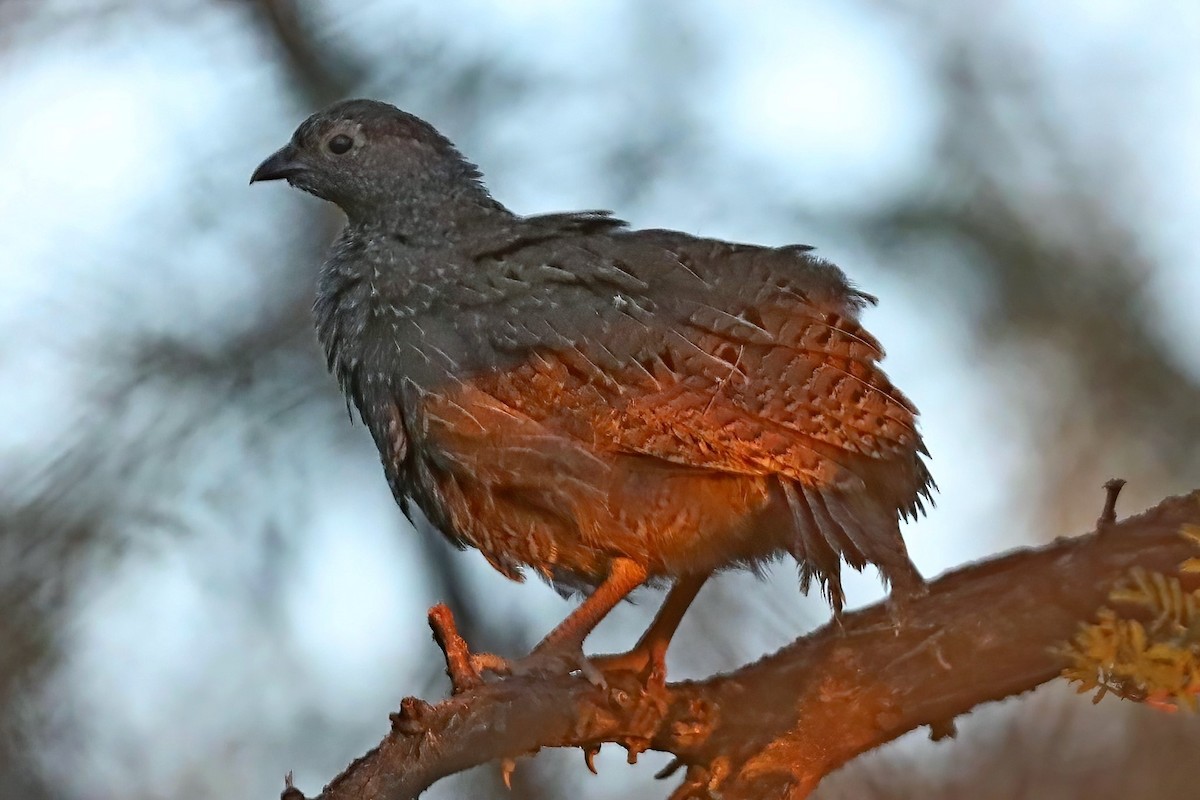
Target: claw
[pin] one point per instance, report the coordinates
(899, 607)
(651, 668)
(549, 661)
(543, 662)
(594, 676)
(507, 768)
(490, 662)
(589, 754)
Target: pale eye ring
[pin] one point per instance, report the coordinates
(340, 144)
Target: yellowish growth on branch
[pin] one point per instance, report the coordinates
(1192, 534)
(1151, 655)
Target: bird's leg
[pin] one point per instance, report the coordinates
(906, 580)
(648, 658)
(907, 586)
(562, 649)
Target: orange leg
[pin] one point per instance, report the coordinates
(624, 576)
(649, 656)
(562, 649)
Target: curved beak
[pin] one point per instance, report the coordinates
(283, 163)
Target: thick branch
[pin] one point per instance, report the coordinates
(773, 729)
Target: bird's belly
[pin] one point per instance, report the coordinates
(569, 524)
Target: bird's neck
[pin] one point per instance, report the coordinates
(421, 218)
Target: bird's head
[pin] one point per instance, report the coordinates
(372, 159)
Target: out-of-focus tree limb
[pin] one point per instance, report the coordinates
(1067, 270)
(774, 728)
(320, 73)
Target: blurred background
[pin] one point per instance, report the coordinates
(204, 582)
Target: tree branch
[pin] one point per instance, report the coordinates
(774, 728)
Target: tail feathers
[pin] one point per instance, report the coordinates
(817, 556)
(838, 527)
(831, 526)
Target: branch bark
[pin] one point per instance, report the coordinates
(774, 728)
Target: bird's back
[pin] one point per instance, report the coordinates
(573, 391)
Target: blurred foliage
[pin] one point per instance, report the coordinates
(1156, 662)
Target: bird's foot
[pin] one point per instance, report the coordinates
(546, 659)
(900, 603)
(648, 663)
(466, 669)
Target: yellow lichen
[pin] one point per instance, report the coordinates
(1155, 662)
(1192, 533)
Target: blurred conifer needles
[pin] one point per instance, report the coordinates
(1151, 656)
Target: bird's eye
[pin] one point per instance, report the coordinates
(340, 144)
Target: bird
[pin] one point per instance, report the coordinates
(603, 406)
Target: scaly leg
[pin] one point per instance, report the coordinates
(562, 649)
(649, 656)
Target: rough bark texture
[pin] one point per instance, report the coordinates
(774, 728)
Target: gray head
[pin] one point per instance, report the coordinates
(374, 160)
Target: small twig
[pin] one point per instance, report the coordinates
(290, 792)
(412, 718)
(942, 729)
(1112, 488)
(459, 666)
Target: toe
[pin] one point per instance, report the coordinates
(559, 661)
(650, 667)
(491, 663)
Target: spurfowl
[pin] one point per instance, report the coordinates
(603, 405)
